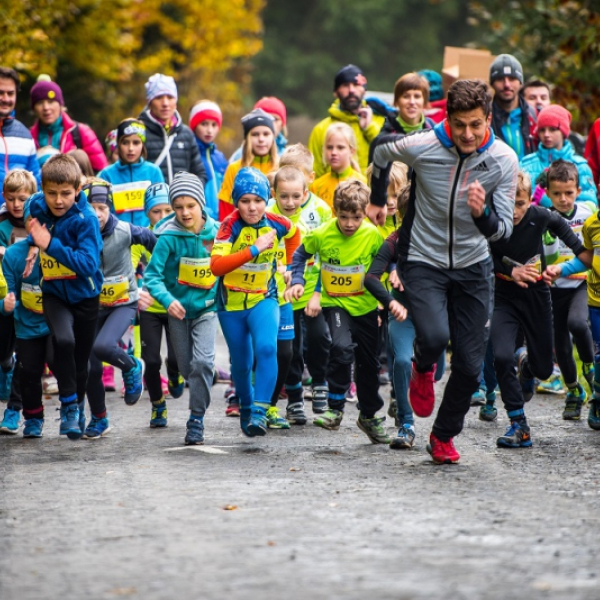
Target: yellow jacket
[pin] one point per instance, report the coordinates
(325, 186)
(363, 137)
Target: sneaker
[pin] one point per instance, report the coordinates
(233, 406)
(108, 379)
(69, 421)
(33, 428)
(97, 428)
(176, 386)
(275, 420)
(404, 440)
(478, 398)
(588, 371)
(164, 386)
(576, 398)
(421, 394)
(594, 414)
(221, 375)
(442, 453)
(10, 422)
(373, 428)
(306, 378)
(351, 395)
(257, 426)
(527, 385)
(488, 412)
(195, 431)
(551, 386)
(295, 414)
(132, 379)
(319, 399)
(6, 383)
(49, 385)
(393, 412)
(330, 419)
(517, 435)
(81, 407)
(384, 378)
(158, 418)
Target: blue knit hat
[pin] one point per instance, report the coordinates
(250, 181)
(155, 194)
(436, 91)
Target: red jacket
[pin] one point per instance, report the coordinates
(89, 142)
(592, 151)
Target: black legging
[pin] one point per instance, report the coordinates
(33, 355)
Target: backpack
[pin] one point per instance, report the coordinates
(76, 135)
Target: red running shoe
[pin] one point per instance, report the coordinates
(443, 453)
(421, 395)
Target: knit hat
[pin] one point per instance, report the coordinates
(160, 85)
(349, 74)
(436, 91)
(131, 127)
(45, 152)
(98, 192)
(205, 109)
(46, 90)
(155, 194)
(555, 116)
(506, 65)
(250, 181)
(110, 141)
(187, 184)
(256, 118)
(273, 106)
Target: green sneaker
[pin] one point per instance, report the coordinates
(330, 419)
(594, 414)
(575, 400)
(158, 418)
(551, 386)
(373, 428)
(275, 420)
(393, 411)
(588, 370)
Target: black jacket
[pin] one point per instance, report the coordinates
(392, 128)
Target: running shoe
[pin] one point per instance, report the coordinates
(488, 412)
(96, 428)
(331, 419)
(158, 418)
(49, 385)
(527, 384)
(194, 435)
(319, 399)
(133, 380)
(421, 394)
(588, 370)
(295, 414)
(275, 420)
(258, 420)
(373, 429)
(551, 386)
(517, 435)
(33, 428)
(442, 453)
(478, 398)
(393, 411)
(108, 378)
(594, 414)
(576, 398)
(69, 420)
(6, 378)
(10, 422)
(404, 439)
(176, 386)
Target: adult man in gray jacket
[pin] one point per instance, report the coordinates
(462, 195)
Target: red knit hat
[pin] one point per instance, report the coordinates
(273, 106)
(555, 116)
(205, 109)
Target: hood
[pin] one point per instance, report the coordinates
(171, 226)
(122, 167)
(6, 216)
(442, 131)
(154, 124)
(39, 208)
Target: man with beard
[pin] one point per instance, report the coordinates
(349, 107)
(513, 120)
(18, 150)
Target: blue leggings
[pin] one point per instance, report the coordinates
(252, 339)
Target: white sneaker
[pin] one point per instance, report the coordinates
(49, 385)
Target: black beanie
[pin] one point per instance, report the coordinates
(256, 118)
(506, 65)
(349, 74)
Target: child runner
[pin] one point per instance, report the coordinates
(118, 306)
(522, 302)
(258, 151)
(179, 277)
(569, 294)
(347, 246)
(34, 344)
(65, 229)
(244, 255)
(339, 153)
(154, 319)
(205, 121)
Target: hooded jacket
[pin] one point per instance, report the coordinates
(528, 126)
(161, 276)
(364, 137)
(438, 228)
(183, 153)
(215, 165)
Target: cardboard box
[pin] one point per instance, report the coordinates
(465, 63)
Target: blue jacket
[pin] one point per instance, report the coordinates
(76, 243)
(534, 164)
(161, 275)
(215, 165)
(17, 150)
(124, 173)
(28, 324)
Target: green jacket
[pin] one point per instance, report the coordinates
(363, 137)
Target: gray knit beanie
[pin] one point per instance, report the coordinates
(187, 184)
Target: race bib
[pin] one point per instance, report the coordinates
(251, 278)
(129, 197)
(31, 298)
(115, 290)
(196, 273)
(343, 281)
(52, 269)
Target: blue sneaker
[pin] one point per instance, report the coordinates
(195, 431)
(576, 398)
(97, 428)
(551, 386)
(69, 421)
(593, 419)
(133, 380)
(10, 422)
(176, 386)
(488, 412)
(6, 383)
(33, 428)
(517, 435)
(258, 420)
(478, 398)
(81, 406)
(159, 415)
(527, 385)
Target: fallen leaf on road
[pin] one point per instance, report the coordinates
(230, 507)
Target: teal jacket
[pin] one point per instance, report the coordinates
(161, 277)
(28, 324)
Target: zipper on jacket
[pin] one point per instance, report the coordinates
(451, 215)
